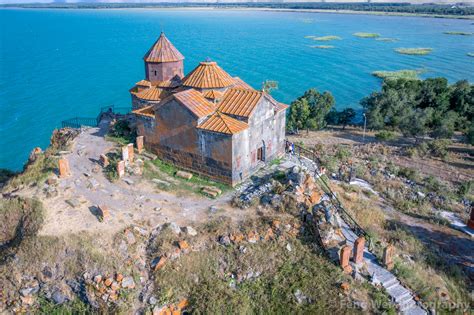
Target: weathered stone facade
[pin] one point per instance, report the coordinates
(209, 123)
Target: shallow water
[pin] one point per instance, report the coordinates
(57, 64)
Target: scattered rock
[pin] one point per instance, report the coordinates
(52, 181)
(108, 282)
(224, 240)
(183, 245)
(152, 300)
(158, 263)
(345, 286)
(104, 212)
(128, 283)
(98, 279)
(190, 231)
(253, 237)
(161, 182)
(73, 202)
(119, 277)
(300, 297)
(92, 183)
(175, 228)
(209, 193)
(115, 286)
(59, 297)
(128, 181)
(184, 175)
(30, 290)
(130, 237)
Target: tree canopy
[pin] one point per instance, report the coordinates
(309, 111)
(419, 108)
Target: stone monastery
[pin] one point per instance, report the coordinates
(207, 122)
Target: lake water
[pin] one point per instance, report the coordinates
(57, 64)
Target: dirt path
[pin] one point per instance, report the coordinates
(135, 202)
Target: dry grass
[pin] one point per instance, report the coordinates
(215, 277)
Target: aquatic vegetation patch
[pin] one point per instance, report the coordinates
(326, 38)
(458, 33)
(322, 46)
(366, 35)
(387, 39)
(400, 74)
(414, 51)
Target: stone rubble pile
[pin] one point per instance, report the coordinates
(294, 185)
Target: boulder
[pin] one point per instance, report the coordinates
(190, 231)
(73, 202)
(128, 283)
(184, 175)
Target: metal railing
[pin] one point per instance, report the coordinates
(311, 155)
(79, 122)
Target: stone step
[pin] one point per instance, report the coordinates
(416, 310)
(407, 299)
(398, 293)
(390, 283)
(407, 306)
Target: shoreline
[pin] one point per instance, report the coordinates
(199, 8)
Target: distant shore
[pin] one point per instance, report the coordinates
(237, 8)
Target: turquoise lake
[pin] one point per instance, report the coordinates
(58, 64)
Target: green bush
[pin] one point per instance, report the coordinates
(343, 153)
(466, 189)
(409, 173)
(385, 135)
(439, 147)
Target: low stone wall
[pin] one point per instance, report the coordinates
(208, 167)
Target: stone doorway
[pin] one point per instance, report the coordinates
(261, 152)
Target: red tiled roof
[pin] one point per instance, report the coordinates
(145, 111)
(239, 102)
(195, 102)
(221, 123)
(143, 83)
(239, 83)
(166, 84)
(281, 106)
(151, 94)
(163, 51)
(212, 94)
(208, 75)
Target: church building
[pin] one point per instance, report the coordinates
(207, 122)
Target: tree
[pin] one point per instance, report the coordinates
(445, 126)
(470, 134)
(320, 105)
(298, 115)
(462, 101)
(416, 124)
(268, 86)
(418, 108)
(310, 110)
(346, 116)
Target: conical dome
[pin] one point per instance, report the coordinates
(208, 75)
(163, 51)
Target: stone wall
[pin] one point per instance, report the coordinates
(163, 71)
(146, 127)
(138, 103)
(206, 166)
(266, 131)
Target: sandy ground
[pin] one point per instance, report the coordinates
(137, 203)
